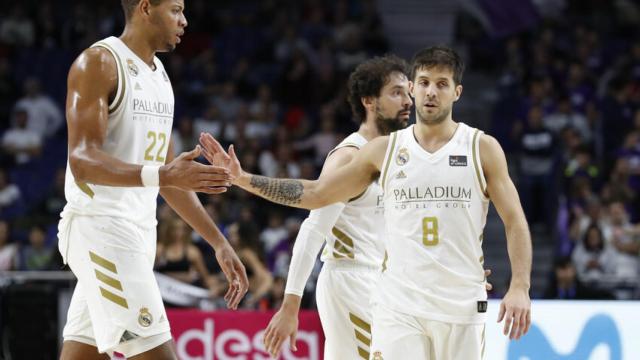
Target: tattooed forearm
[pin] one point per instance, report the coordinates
(282, 191)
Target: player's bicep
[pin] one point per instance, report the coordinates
(500, 187)
(92, 78)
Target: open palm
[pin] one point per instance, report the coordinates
(215, 154)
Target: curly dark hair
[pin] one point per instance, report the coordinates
(369, 78)
(129, 5)
(438, 56)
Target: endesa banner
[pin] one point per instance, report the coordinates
(237, 335)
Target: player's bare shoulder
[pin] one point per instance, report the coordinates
(96, 67)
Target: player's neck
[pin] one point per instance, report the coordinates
(431, 136)
(369, 130)
(137, 41)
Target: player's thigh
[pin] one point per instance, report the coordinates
(457, 341)
(398, 336)
(74, 350)
(164, 351)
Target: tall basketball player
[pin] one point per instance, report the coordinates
(119, 115)
(438, 177)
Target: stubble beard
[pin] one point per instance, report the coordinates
(387, 125)
(434, 119)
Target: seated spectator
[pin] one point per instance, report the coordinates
(20, 141)
(565, 285)
(627, 262)
(593, 259)
(177, 257)
(55, 200)
(7, 249)
(36, 255)
(565, 116)
(244, 239)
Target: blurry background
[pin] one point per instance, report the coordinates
(557, 82)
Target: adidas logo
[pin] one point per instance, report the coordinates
(401, 175)
(137, 87)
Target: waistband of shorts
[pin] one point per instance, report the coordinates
(350, 266)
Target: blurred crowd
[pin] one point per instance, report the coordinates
(269, 77)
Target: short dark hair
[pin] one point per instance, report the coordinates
(438, 56)
(369, 78)
(129, 5)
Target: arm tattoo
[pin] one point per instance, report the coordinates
(281, 191)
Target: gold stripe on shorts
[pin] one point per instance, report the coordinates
(114, 283)
(97, 259)
(117, 299)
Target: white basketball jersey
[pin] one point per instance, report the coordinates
(358, 233)
(139, 131)
(435, 211)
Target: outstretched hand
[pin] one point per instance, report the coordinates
(217, 156)
(187, 174)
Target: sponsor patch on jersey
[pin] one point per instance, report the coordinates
(482, 306)
(457, 160)
(402, 157)
(133, 68)
(145, 319)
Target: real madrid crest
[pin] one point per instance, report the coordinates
(145, 319)
(133, 68)
(402, 157)
(377, 355)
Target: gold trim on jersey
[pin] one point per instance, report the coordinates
(483, 186)
(364, 338)
(340, 146)
(84, 187)
(388, 160)
(119, 300)
(114, 283)
(481, 259)
(384, 261)
(484, 327)
(121, 77)
(97, 259)
(359, 196)
(343, 246)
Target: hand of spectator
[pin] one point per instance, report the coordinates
(187, 174)
(215, 154)
(515, 309)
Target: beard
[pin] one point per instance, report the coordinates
(433, 119)
(386, 125)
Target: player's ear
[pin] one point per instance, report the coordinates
(369, 102)
(145, 7)
(411, 89)
(458, 92)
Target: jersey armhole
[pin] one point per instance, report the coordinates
(120, 89)
(481, 181)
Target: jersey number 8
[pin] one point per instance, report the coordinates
(430, 231)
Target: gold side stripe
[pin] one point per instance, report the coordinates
(360, 323)
(103, 262)
(483, 342)
(337, 255)
(394, 136)
(108, 280)
(344, 238)
(343, 245)
(359, 196)
(481, 238)
(119, 300)
(121, 77)
(384, 262)
(363, 353)
(475, 163)
(363, 338)
(85, 189)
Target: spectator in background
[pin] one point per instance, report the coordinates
(20, 141)
(593, 258)
(621, 237)
(243, 237)
(565, 116)
(228, 102)
(537, 180)
(565, 285)
(55, 201)
(17, 29)
(36, 256)
(8, 250)
(9, 193)
(45, 118)
(178, 258)
(186, 137)
(323, 141)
